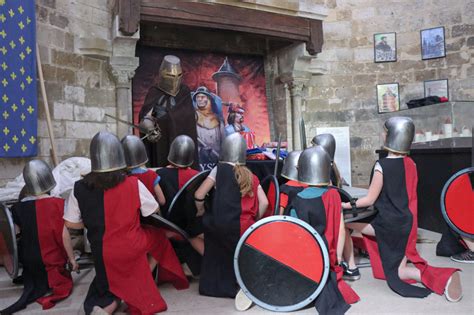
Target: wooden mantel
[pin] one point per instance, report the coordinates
(224, 17)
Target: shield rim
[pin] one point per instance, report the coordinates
(318, 239)
(170, 224)
(443, 197)
(14, 274)
(273, 179)
(185, 186)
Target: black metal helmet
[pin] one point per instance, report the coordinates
(106, 153)
(38, 177)
(182, 151)
(134, 150)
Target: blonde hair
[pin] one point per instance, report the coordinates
(244, 178)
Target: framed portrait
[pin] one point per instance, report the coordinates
(385, 47)
(388, 98)
(432, 43)
(437, 88)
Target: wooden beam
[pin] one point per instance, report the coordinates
(129, 16)
(215, 16)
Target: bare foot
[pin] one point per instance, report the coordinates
(453, 291)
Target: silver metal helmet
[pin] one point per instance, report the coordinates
(327, 141)
(290, 166)
(134, 150)
(234, 149)
(170, 75)
(182, 151)
(400, 133)
(106, 153)
(314, 166)
(38, 177)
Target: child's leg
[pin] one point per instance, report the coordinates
(364, 228)
(151, 262)
(408, 272)
(341, 242)
(198, 243)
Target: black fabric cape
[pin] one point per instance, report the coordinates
(179, 120)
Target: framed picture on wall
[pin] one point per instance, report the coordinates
(437, 88)
(385, 47)
(432, 43)
(388, 98)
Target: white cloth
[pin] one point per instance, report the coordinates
(148, 205)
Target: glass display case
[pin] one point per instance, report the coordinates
(443, 125)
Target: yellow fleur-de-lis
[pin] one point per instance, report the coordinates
(4, 66)
(22, 55)
(12, 44)
(14, 107)
(23, 132)
(11, 13)
(28, 50)
(22, 70)
(29, 79)
(6, 147)
(13, 75)
(28, 21)
(32, 140)
(23, 147)
(30, 109)
(23, 117)
(15, 139)
(22, 101)
(5, 115)
(4, 82)
(2, 18)
(6, 131)
(22, 40)
(3, 33)
(5, 98)
(3, 50)
(21, 25)
(2, 2)
(20, 9)
(22, 85)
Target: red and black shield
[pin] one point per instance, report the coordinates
(185, 196)
(281, 263)
(457, 202)
(272, 190)
(8, 245)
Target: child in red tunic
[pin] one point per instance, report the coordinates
(45, 242)
(109, 204)
(390, 236)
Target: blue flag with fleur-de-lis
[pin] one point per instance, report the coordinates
(18, 98)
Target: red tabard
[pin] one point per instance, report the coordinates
(249, 205)
(148, 179)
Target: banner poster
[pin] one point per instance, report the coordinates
(227, 92)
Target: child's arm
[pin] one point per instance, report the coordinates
(374, 191)
(201, 193)
(160, 196)
(68, 247)
(262, 202)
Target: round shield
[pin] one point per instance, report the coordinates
(457, 202)
(160, 222)
(281, 263)
(8, 246)
(272, 190)
(185, 196)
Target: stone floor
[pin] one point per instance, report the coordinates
(376, 297)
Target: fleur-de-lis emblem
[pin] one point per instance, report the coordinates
(22, 40)
(23, 147)
(5, 115)
(22, 101)
(22, 85)
(20, 9)
(21, 25)
(5, 98)
(6, 131)
(11, 13)
(4, 66)
(2, 18)
(23, 132)
(12, 44)
(22, 56)
(6, 147)
(22, 70)
(13, 75)
(29, 79)
(15, 139)
(3, 50)
(32, 140)
(14, 107)
(28, 50)
(23, 117)
(30, 109)
(4, 82)
(3, 33)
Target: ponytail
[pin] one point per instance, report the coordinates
(244, 178)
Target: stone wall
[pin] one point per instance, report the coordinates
(346, 95)
(79, 87)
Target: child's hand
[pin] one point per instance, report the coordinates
(73, 265)
(346, 205)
